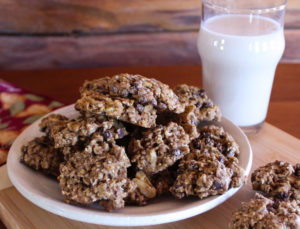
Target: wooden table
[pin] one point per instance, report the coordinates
(284, 111)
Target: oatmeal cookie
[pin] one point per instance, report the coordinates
(206, 173)
(40, 155)
(198, 108)
(159, 148)
(123, 109)
(144, 190)
(96, 174)
(261, 212)
(215, 136)
(142, 90)
(51, 121)
(278, 179)
(72, 131)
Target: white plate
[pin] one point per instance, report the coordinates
(45, 192)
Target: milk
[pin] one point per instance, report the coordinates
(239, 56)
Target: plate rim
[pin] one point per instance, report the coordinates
(109, 218)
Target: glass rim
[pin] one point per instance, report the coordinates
(255, 10)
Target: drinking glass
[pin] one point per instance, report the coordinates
(240, 43)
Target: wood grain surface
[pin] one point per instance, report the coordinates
(270, 144)
(43, 34)
(175, 48)
(106, 16)
(98, 16)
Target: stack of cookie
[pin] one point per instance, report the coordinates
(136, 139)
(278, 205)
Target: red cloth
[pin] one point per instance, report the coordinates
(18, 109)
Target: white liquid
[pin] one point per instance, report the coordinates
(239, 57)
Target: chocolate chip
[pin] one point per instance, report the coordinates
(143, 99)
(114, 89)
(89, 86)
(133, 90)
(82, 143)
(43, 129)
(206, 134)
(196, 144)
(275, 205)
(209, 141)
(199, 105)
(221, 148)
(100, 90)
(222, 159)
(206, 105)
(201, 92)
(140, 108)
(193, 165)
(282, 195)
(124, 93)
(215, 119)
(121, 132)
(177, 152)
(107, 135)
(194, 121)
(217, 185)
(230, 153)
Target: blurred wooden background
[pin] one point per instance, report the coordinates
(36, 34)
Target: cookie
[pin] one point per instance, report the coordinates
(70, 132)
(205, 173)
(123, 109)
(198, 108)
(159, 148)
(51, 121)
(278, 179)
(217, 137)
(142, 90)
(99, 173)
(261, 212)
(40, 155)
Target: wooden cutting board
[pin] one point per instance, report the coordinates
(270, 144)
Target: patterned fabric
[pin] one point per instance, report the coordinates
(18, 109)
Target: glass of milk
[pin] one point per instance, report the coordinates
(240, 43)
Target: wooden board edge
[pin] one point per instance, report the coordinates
(5, 215)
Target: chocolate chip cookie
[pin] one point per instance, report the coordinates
(142, 90)
(51, 121)
(278, 179)
(70, 132)
(205, 173)
(159, 148)
(124, 109)
(261, 212)
(198, 108)
(217, 137)
(40, 155)
(98, 173)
